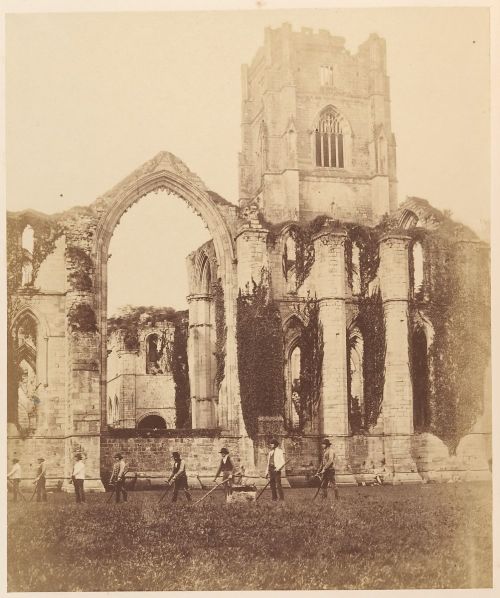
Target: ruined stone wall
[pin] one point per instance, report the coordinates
(152, 454)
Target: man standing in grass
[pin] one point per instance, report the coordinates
(78, 478)
(326, 472)
(118, 477)
(41, 493)
(275, 463)
(226, 468)
(179, 477)
(14, 476)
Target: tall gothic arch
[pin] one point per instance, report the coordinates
(166, 172)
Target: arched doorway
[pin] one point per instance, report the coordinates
(152, 422)
(168, 173)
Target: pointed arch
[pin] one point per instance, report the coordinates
(331, 139)
(166, 172)
(355, 379)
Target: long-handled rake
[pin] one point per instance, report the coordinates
(210, 491)
(269, 481)
(34, 492)
(169, 484)
(111, 495)
(18, 490)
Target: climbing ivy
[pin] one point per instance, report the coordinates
(311, 364)
(220, 332)
(457, 283)
(81, 318)
(371, 323)
(259, 337)
(81, 269)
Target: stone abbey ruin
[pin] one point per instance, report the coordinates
(320, 307)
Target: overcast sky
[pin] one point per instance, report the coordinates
(90, 97)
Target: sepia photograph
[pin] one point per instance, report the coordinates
(248, 299)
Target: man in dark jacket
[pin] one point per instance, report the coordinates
(326, 471)
(226, 468)
(118, 477)
(179, 477)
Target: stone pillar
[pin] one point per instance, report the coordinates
(397, 407)
(84, 412)
(200, 356)
(330, 287)
(251, 249)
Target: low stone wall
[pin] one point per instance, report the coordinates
(435, 463)
(151, 455)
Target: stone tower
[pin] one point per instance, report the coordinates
(316, 129)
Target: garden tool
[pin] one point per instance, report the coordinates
(210, 491)
(34, 492)
(18, 491)
(321, 478)
(203, 487)
(165, 493)
(111, 495)
(269, 481)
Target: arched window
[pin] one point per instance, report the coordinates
(152, 422)
(418, 268)
(294, 369)
(27, 243)
(27, 239)
(420, 381)
(356, 270)
(289, 262)
(152, 354)
(26, 347)
(110, 418)
(355, 381)
(329, 140)
(116, 413)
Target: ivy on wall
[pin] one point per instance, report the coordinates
(81, 269)
(311, 364)
(46, 231)
(259, 336)
(131, 319)
(180, 371)
(220, 332)
(457, 285)
(371, 323)
(81, 318)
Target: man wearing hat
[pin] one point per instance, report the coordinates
(179, 477)
(14, 476)
(118, 477)
(275, 463)
(78, 478)
(226, 468)
(41, 493)
(326, 472)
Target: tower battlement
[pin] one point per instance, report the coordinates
(316, 128)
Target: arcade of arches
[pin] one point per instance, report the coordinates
(74, 374)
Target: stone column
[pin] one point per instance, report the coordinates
(330, 287)
(84, 402)
(397, 407)
(200, 357)
(251, 249)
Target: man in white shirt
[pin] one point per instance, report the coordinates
(14, 476)
(78, 478)
(275, 463)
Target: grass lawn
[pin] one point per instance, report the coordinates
(425, 536)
